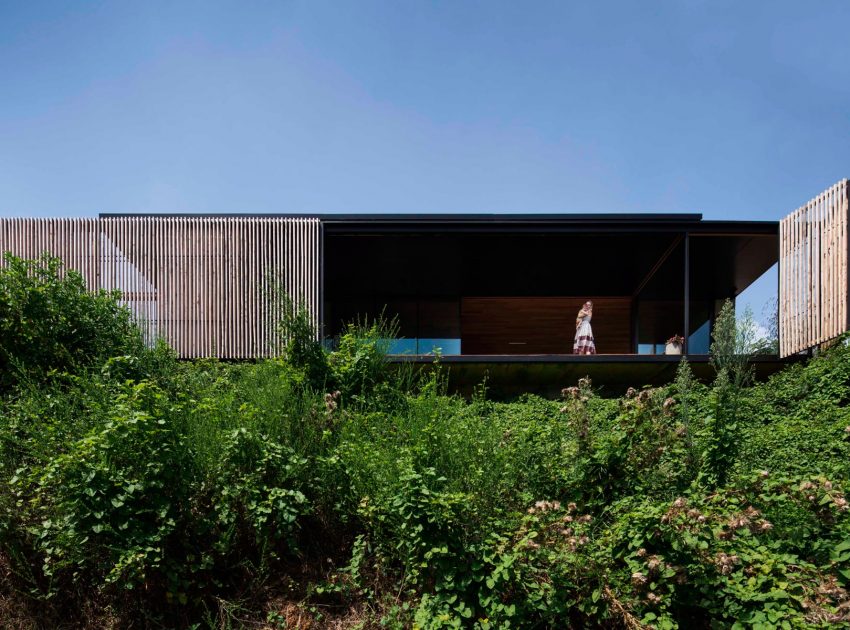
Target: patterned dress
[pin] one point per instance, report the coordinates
(584, 338)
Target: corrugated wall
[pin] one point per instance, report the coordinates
(207, 285)
(813, 271)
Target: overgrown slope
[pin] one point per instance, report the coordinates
(327, 490)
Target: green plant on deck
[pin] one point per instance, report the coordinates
(298, 340)
(732, 343)
(359, 365)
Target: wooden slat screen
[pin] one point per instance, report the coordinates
(813, 288)
(206, 285)
(74, 241)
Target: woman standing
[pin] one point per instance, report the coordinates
(584, 334)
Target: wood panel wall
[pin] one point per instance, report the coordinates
(209, 286)
(542, 325)
(74, 241)
(813, 288)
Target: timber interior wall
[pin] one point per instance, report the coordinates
(813, 271)
(210, 286)
(542, 325)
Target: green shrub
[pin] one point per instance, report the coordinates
(299, 342)
(257, 498)
(106, 507)
(711, 557)
(50, 322)
(359, 363)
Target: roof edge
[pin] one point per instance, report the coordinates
(430, 217)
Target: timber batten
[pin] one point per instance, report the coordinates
(207, 285)
(813, 271)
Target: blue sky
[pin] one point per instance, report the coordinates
(732, 109)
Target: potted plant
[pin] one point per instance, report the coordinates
(674, 345)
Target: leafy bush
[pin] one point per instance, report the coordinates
(257, 495)
(359, 363)
(49, 321)
(299, 340)
(104, 508)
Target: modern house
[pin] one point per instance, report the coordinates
(489, 293)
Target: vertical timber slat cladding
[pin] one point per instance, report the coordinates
(823, 266)
(781, 279)
(840, 211)
(70, 240)
(203, 284)
(814, 311)
(798, 267)
(813, 271)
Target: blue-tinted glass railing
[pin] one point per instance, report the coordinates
(400, 346)
(700, 340)
(651, 348)
(411, 346)
(423, 346)
(443, 346)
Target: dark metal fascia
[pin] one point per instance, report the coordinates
(660, 228)
(475, 219)
(511, 218)
(400, 223)
(207, 215)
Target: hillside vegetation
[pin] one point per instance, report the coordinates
(323, 489)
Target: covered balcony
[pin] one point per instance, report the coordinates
(505, 290)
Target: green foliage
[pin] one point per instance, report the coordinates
(49, 321)
(107, 505)
(731, 348)
(359, 364)
(715, 557)
(257, 489)
(685, 387)
(732, 343)
(158, 493)
(299, 340)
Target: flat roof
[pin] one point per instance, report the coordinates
(429, 216)
(504, 222)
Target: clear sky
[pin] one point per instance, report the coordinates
(729, 108)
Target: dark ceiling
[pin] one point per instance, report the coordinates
(423, 265)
